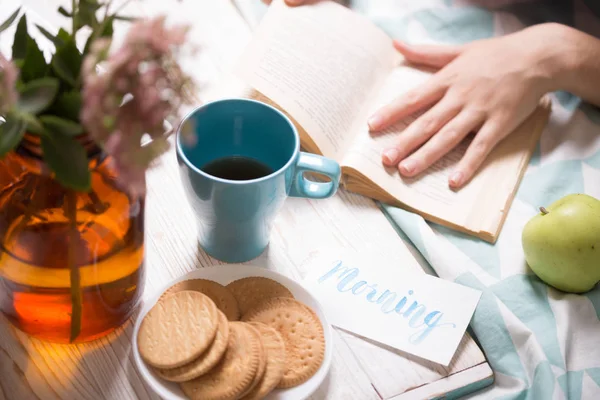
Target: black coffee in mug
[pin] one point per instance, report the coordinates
(236, 199)
(237, 168)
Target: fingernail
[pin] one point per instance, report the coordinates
(456, 178)
(375, 122)
(390, 156)
(408, 166)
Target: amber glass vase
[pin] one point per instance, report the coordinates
(71, 263)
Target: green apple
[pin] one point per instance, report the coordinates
(562, 243)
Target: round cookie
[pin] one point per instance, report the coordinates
(262, 363)
(231, 377)
(178, 329)
(302, 334)
(251, 291)
(274, 349)
(206, 361)
(223, 298)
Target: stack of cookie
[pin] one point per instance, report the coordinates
(239, 341)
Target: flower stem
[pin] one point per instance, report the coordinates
(74, 17)
(76, 303)
(27, 197)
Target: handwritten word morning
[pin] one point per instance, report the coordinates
(389, 302)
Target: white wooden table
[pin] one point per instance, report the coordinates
(104, 369)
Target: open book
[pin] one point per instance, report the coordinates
(329, 69)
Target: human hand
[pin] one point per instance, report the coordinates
(489, 86)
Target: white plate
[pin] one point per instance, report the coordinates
(225, 274)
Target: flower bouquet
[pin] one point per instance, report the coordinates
(77, 133)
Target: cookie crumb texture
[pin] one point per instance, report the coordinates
(177, 329)
(302, 334)
(274, 349)
(219, 294)
(253, 290)
(206, 361)
(234, 375)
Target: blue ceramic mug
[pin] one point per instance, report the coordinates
(244, 161)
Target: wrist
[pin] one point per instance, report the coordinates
(554, 59)
(564, 57)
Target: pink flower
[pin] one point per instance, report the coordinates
(8, 78)
(139, 87)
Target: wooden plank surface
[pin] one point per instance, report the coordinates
(104, 369)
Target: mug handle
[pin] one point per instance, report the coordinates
(302, 187)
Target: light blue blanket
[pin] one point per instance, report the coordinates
(541, 343)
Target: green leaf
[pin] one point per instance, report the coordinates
(54, 39)
(107, 28)
(66, 62)
(63, 35)
(19, 47)
(125, 18)
(105, 31)
(11, 133)
(61, 126)
(6, 24)
(36, 95)
(68, 160)
(67, 105)
(34, 65)
(18, 63)
(33, 124)
(62, 11)
(87, 13)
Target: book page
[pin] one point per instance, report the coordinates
(428, 193)
(319, 63)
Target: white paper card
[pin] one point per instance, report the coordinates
(411, 311)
